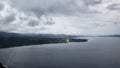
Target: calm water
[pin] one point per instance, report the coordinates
(96, 53)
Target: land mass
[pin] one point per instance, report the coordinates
(15, 39)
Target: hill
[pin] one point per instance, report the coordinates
(15, 39)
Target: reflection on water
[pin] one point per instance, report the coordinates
(96, 53)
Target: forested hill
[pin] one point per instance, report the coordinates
(6, 34)
(14, 39)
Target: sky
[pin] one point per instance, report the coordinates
(82, 17)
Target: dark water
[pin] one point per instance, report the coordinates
(96, 53)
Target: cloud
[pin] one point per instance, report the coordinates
(92, 2)
(33, 23)
(1, 6)
(8, 19)
(115, 6)
(60, 16)
(67, 7)
(15, 20)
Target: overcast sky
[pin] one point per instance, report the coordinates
(82, 17)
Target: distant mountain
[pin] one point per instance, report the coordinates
(5, 34)
(98, 36)
(109, 36)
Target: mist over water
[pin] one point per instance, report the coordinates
(98, 52)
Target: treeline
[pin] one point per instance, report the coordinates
(14, 39)
(21, 41)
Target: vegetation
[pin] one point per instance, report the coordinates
(13, 40)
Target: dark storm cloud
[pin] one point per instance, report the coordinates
(49, 22)
(92, 2)
(1, 6)
(114, 6)
(23, 18)
(39, 12)
(66, 7)
(33, 23)
(8, 19)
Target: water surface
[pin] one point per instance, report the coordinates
(96, 53)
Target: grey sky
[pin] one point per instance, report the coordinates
(114, 6)
(60, 16)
